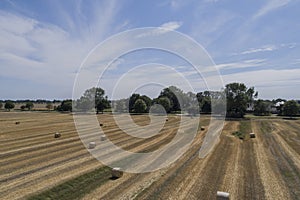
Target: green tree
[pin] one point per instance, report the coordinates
(29, 105)
(102, 104)
(238, 96)
(204, 100)
(23, 107)
(133, 98)
(140, 106)
(164, 102)
(176, 97)
(93, 98)
(9, 105)
(49, 106)
(261, 108)
(65, 105)
(1, 105)
(290, 108)
(147, 100)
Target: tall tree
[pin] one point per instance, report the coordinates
(164, 102)
(139, 106)
(176, 97)
(9, 105)
(290, 108)
(238, 96)
(204, 100)
(261, 108)
(147, 100)
(1, 105)
(66, 105)
(133, 98)
(93, 98)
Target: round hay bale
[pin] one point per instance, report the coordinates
(222, 195)
(17, 122)
(101, 124)
(92, 145)
(57, 135)
(202, 128)
(103, 138)
(116, 172)
(167, 119)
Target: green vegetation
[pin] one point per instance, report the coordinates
(93, 98)
(244, 130)
(139, 106)
(238, 97)
(290, 108)
(261, 108)
(65, 105)
(76, 188)
(29, 105)
(9, 105)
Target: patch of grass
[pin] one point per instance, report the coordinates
(76, 188)
(244, 130)
(239, 135)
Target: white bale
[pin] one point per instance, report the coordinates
(116, 172)
(103, 137)
(252, 135)
(92, 145)
(202, 128)
(57, 135)
(222, 195)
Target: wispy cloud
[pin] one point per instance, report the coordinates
(261, 49)
(171, 25)
(46, 53)
(270, 6)
(162, 29)
(242, 64)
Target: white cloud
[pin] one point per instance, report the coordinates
(261, 49)
(171, 25)
(162, 29)
(270, 6)
(44, 53)
(242, 64)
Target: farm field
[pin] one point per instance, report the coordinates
(35, 165)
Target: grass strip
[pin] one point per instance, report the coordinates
(76, 188)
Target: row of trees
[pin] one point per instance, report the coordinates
(8, 105)
(239, 100)
(172, 99)
(284, 108)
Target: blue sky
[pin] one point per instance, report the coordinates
(43, 43)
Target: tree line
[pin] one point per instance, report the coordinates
(239, 100)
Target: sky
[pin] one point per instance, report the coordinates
(44, 46)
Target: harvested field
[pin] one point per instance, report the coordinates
(35, 165)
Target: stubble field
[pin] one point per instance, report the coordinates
(35, 165)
